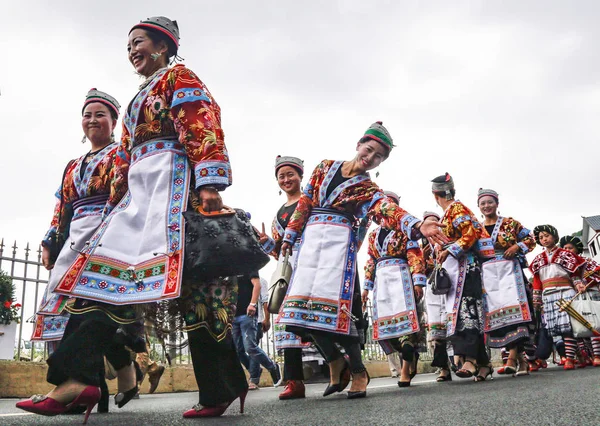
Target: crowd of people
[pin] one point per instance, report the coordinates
(116, 246)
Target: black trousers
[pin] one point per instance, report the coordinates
(80, 355)
(292, 364)
(217, 368)
(326, 343)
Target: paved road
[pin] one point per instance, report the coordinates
(549, 397)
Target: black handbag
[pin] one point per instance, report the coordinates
(439, 282)
(221, 244)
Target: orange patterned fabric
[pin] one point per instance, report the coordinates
(398, 246)
(179, 107)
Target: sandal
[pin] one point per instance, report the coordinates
(464, 373)
(511, 366)
(482, 378)
(444, 377)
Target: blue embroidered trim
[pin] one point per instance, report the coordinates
(268, 246)
(188, 94)
(327, 180)
(523, 247)
(455, 250)
(411, 244)
(212, 173)
(369, 284)
(179, 195)
(419, 279)
(408, 223)
(461, 219)
(378, 196)
(86, 211)
(154, 147)
(130, 119)
(290, 236)
(82, 184)
(496, 229)
(523, 234)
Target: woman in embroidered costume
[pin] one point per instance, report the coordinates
(395, 272)
(557, 274)
(82, 197)
(436, 312)
(289, 172)
(470, 243)
(331, 218)
(591, 271)
(508, 314)
(172, 148)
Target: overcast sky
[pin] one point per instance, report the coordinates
(503, 95)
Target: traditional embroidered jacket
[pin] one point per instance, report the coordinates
(273, 245)
(94, 183)
(554, 270)
(359, 196)
(179, 106)
(465, 232)
(172, 126)
(397, 245)
(509, 232)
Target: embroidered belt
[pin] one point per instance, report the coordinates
(390, 260)
(155, 146)
(93, 200)
(556, 283)
(320, 214)
(89, 206)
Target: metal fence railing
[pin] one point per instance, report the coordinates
(30, 278)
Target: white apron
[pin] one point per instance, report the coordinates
(136, 256)
(504, 296)
(283, 338)
(457, 271)
(436, 315)
(50, 321)
(322, 286)
(394, 305)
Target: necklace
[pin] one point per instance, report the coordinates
(151, 77)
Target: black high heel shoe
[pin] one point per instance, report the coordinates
(344, 380)
(360, 394)
(123, 398)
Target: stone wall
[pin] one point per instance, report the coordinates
(23, 379)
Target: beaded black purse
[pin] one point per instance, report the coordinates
(221, 244)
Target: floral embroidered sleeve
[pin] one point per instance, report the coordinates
(119, 183)
(63, 210)
(463, 223)
(305, 205)
(371, 262)
(525, 239)
(416, 263)
(273, 244)
(50, 235)
(387, 213)
(537, 290)
(197, 120)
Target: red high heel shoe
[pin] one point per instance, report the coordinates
(41, 404)
(215, 411)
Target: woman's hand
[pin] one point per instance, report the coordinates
(262, 235)
(46, 258)
(511, 251)
(364, 298)
(432, 231)
(286, 248)
(211, 199)
(418, 292)
(442, 256)
(580, 287)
